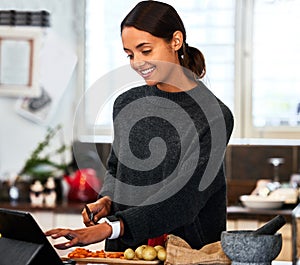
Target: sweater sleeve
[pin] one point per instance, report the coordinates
(109, 179)
(110, 175)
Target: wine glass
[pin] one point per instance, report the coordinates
(276, 162)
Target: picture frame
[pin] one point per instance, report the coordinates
(19, 60)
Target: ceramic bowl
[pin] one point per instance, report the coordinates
(257, 202)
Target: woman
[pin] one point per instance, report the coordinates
(165, 173)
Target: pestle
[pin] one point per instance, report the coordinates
(271, 227)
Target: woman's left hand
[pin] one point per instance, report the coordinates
(80, 237)
(99, 208)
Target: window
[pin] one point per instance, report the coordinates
(103, 54)
(254, 73)
(276, 57)
(212, 32)
(210, 28)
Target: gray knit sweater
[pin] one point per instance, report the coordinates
(165, 172)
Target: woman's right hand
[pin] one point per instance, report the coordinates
(99, 208)
(80, 237)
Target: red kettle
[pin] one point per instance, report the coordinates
(84, 185)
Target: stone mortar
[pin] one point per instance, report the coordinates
(246, 248)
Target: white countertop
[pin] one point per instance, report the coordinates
(275, 262)
(264, 141)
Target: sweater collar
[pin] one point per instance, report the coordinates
(183, 98)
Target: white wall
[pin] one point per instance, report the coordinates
(18, 136)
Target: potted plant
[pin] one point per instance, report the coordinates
(41, 163)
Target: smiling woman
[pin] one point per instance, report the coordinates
(165, 172)
(147, 52)
(204, 34)
(232, 36)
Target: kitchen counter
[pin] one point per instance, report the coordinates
(275, 262)
(62, 207)
(234, 212)
(264, 215)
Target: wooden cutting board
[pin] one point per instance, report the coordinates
(113, 261)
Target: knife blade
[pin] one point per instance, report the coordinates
(90, 214)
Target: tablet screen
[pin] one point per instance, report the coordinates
(23, 242)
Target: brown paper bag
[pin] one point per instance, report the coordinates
(179, 252)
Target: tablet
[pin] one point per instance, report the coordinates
(23, 242)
